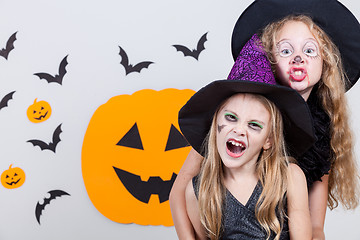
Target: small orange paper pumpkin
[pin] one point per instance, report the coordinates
(131, 154)
(13, 177)
(39, 111)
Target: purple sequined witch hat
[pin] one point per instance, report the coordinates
(251, 73)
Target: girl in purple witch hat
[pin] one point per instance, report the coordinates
(329, 166)
(247, 188)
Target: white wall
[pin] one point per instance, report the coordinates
(90, 33)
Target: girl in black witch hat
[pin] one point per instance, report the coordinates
(247, 188)
(329, 165)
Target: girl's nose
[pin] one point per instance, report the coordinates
(239, 130)
(297, 59)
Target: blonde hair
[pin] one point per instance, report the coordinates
(343, 175)
(272, 170)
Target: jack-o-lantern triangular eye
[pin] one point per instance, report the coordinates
(131, 139)
(175, 140)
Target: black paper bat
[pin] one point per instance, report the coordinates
(40, 207)
(129, 68)
(195, 52)
(58, 78)
(9, 46)
(52, 145)
(5, 100)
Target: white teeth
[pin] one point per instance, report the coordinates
(236, 144)
(298, 73)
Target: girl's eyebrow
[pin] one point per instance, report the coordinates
(288, 40)
(284, 40)
(277, 45)
(312, 40)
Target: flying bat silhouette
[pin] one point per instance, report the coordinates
(129, 68)
(9, 46)
(58, 78)
(4, 101)
(49, 146)
(195, 52)
(40, 207)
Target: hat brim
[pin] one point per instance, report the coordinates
(333, 17)
(196, 115)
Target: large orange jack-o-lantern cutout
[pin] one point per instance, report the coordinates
(131, 154)
(38, 111)
(13, 177)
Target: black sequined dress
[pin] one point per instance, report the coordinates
(239, 221)
(316, 161)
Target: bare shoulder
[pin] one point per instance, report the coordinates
(297, 186)
(296, 173)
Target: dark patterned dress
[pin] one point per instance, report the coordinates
(239, 221)
(316, 161)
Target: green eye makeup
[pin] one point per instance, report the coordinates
(254, 123)
(231, 116)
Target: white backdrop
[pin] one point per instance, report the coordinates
(89, 32)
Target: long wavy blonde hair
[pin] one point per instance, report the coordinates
(343, 176)
(272, 170)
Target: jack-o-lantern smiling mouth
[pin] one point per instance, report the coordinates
(13, 182)
(142, 190)
(42, 116)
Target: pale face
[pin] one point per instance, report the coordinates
(243, 126)
(298, 58)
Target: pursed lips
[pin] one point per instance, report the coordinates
(298, 74)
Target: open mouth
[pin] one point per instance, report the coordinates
(235, 148)
(142, 190)
(298, 74)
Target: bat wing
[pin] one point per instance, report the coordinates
(186, 51)
(201, 43)
(56, 138)
(38, 210)
(39, 143)
(138, 67)
(57, 193)
(124, 59)
(62, 70)
(40, 207)
(4, 101)
(200, 46)
(9, 46)
(49, 78)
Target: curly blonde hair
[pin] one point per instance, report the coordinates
(272, 170)
(343, 175)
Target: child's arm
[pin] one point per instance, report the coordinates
(318, 197)
(192, 209)
(190, 168)
(298, 207)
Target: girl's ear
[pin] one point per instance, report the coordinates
(267, 143)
